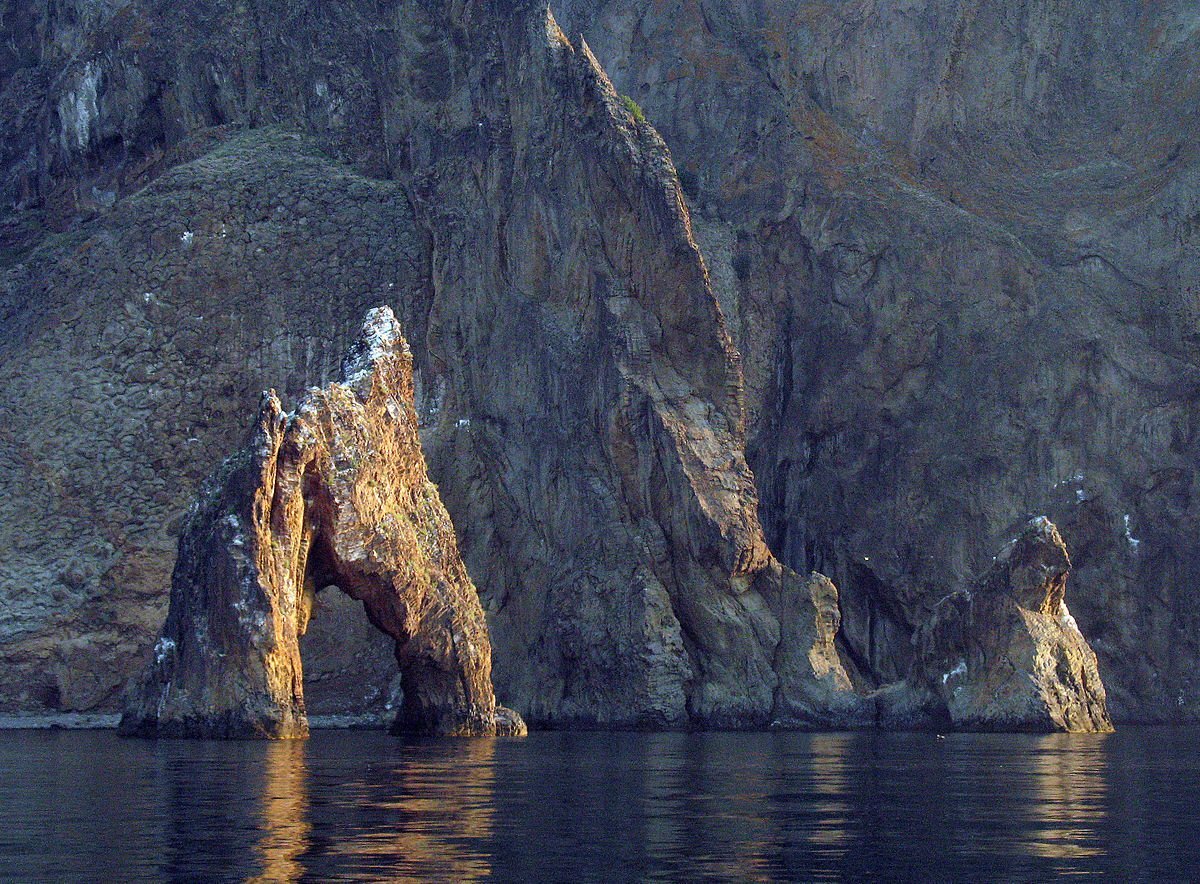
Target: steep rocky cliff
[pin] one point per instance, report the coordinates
(944, 328)
(581, 399)
(332, 494)
(958, 244)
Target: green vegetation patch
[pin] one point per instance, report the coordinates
(635, 109)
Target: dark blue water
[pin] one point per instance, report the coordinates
(568, 807)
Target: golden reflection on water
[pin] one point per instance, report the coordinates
(284, 812)
(432, 842)
(1068, 800)
(746, 785)
(829, 765)
(823, 771)
(725, 805)
(416, 816)
(1006, 795)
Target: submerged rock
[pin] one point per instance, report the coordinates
(1007, 655)
(333, 494)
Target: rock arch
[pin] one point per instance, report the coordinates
(334, 493)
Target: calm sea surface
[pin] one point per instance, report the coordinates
(87, 805)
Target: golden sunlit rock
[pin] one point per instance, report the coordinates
(334, 493)
(1007, 654)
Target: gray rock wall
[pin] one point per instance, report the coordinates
(143, 341)
(582, 402)
(958, 249)
(956, 245)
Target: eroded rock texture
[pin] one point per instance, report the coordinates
(333, 494)
(581, 401)
(957, 244)
(128, 369)
(1006, 654)
(596, 433)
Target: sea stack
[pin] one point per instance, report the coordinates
(335, 493)
(1007, 655)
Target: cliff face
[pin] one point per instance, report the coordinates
(580, 398)
(590, 436)
(957, 245)
(130, 361)
(333, 494)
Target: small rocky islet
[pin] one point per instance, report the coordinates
(333, 494)
(727, 435)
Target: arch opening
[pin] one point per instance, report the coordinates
(333, 493)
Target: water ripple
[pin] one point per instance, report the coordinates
(598, 806)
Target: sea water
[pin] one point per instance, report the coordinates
(362, 805)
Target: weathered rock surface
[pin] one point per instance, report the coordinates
(957, 244)
(1005, 654)
(127, 374)
(333, 494)
(580, 397)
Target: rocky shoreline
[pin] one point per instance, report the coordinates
(742, 339)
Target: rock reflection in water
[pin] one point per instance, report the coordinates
(420, 809)
(612, 806)
(770, 806)
(209, 797)
(285, 825)
(387, 808)
(1068, 798)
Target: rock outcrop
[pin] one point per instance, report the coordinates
(1006, 654)
(128, 370)
(333, 494)
(205, 197)
(957, 245)
(581, 401)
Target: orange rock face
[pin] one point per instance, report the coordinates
(333, 494)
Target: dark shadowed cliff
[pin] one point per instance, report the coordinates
(958, 245)
(954, 244)
(581, 400)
